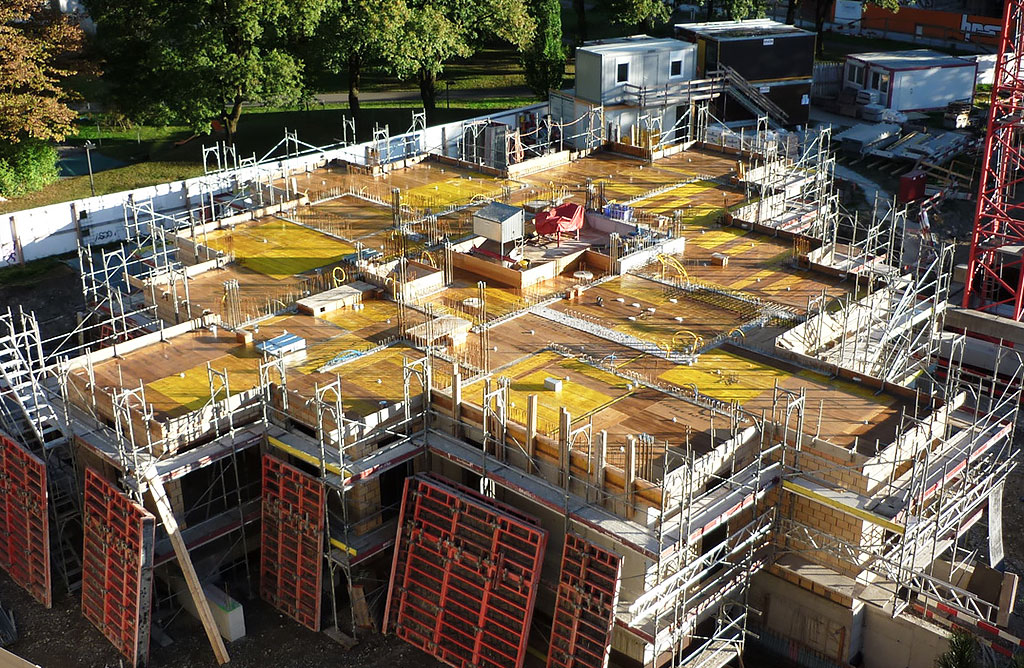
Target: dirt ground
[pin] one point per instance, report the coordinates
(62, 638)
(54, 293)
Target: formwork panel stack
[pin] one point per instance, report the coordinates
(292, 541)
(465, 575)
(24, 522)
(117, 572)
(588, 591)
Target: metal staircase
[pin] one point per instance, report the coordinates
(751, 98)
(722, 80)
(28, 416)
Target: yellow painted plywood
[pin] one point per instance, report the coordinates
(321, 353)
(713, 239)
(373, 312)
(190, 390)
(278, 248)
(726, 376)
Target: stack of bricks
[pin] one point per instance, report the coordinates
(364, 506)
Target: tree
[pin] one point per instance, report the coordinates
(639, 12)
(791, 8)
(439, 30)
(822, 9)
(354, 32)
(38, 48)
(962, 652)
(544, 59)
(581, 20)
(201, 60)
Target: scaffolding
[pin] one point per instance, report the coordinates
(890, 325)
(790, 181)
(664, 535)
(27, 414)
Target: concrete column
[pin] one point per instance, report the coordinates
(597, 465)
(177, 501)
(18, 251)
(74, 219)
(563, 446)
(995, 526)
(531, 431)
(630, 469)
(456, 403)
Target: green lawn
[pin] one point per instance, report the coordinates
(837, 46)
(110, 181)
(161, 154)
(493, 67)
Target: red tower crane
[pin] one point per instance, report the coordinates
(995, 272)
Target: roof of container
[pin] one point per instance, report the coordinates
(634, 44)
(722, 30)
(909, 60)
(498, 212)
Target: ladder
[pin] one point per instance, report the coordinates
(28, 415)
(20, 383)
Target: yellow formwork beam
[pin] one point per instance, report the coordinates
(841, 505)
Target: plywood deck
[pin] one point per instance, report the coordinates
(425, 185)
(758, 265)
(175, 373)
(609, 402)
(627, 177)
(679, 317)
(278, 248)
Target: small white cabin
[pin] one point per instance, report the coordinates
(916, 80)
(612, 71)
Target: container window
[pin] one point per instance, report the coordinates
(622, 73)
(676, 68)
(855, 74)
(880, 81)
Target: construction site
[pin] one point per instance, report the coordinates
(625, 388)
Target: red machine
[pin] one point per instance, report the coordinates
(995, 272)
(563, 219)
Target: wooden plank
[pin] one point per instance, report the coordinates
(360, 610)
(9, 660)
(156, 490)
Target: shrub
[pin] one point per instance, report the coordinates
(26, 166)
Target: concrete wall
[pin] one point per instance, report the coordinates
(902, 641)
(31, 234)
(638, 259)
(826, 628)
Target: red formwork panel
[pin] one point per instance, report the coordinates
(588, 590)
(292, 541)
(465, 575)
(24, 520)
(117, 567)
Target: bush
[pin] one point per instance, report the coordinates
(26, 166)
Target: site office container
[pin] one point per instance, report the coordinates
(917, 80)
(759, 50)
(610, 71)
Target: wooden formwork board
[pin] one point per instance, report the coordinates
(278, 248)
(427, 184)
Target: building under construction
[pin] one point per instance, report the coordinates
(636, 398)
